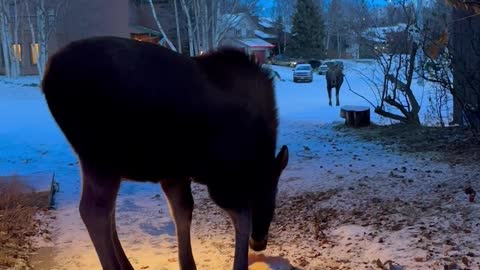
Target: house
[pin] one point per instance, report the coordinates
(267, 30)
(242, 32)
(390, 39)
(22, 46)
(123, 18)
(88, 18)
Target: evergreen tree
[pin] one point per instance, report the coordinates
(307, 31)
(281, 34)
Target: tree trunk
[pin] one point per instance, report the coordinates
(42, 17)
(5, 45)
(197, 29)
(206, 25)
(16, 25)
(191, 36)
(356, 116)
(214, 21)
(13, 58)
(159, 25)
(227, 25)
(177, 25)
(36, 54)
(339, 49)
(327, 42)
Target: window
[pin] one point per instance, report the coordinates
(34, 52)
(17, 51)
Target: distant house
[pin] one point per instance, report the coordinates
(124, 18)
(24, 49)
(267, 30)
(243, 32)
(353, 50)
(394, 39)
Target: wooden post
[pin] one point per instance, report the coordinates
(355, 116)
(53, 190)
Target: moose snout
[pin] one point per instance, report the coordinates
(258, 245)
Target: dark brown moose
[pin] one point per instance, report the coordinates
(334, 78)
(137, 111)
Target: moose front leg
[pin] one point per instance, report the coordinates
(329, 90)
(97, 203)
(180, 200)
(242, 221)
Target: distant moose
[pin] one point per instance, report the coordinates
(137, 111)
(334, 78)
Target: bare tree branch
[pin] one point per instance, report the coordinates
(397, 105)
(350, 88)
(383, 113)
(159, 25)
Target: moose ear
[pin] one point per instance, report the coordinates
(281, 160)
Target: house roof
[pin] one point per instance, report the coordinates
(145, 29)
(262, 34)
(256, 43)
(266, 22)
(379, 34)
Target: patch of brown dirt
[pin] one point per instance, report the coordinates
(18, 207)
(453, 144)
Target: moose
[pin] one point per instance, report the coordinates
(334, 78)
(137, 111)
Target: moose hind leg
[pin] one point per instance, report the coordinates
(97, 203)
(180, 200)
(121, 256)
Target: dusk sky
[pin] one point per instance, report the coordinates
(268, 4)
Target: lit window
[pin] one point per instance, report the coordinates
(34, 52)
(17, 51)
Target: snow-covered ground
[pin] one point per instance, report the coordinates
(310, 100)
(349, 173)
